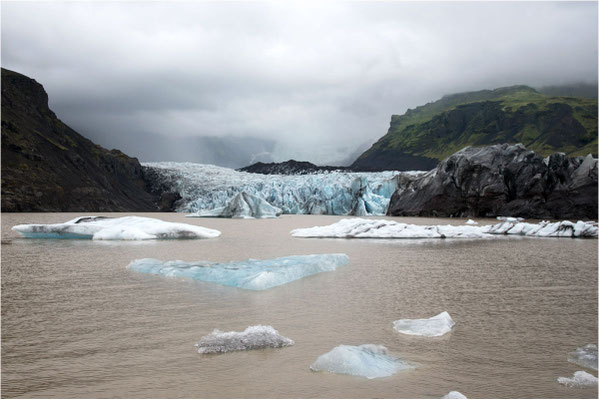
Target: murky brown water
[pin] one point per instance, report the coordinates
(77, 323)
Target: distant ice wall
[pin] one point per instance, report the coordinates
(207, 187)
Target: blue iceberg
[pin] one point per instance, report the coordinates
(250, 274)
(367, 360)
(585, 356)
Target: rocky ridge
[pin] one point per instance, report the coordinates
(47, 166)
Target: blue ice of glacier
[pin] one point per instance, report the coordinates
(253, 337)
(122, 228)
(250, 274)
(207, 187)
(367, 360)
(243, 205)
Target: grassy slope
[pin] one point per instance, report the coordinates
(543, 123)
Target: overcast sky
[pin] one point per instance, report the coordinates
(310, 81)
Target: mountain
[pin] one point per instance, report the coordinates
(546, 124)
(47, 166)
(290, 167)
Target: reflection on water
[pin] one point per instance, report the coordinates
(77, 323)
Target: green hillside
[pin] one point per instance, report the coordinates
(517, 114)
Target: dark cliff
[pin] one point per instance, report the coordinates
(47, 166)
(290, 167)
(503, 180)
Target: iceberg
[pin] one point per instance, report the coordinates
(250, 274)
(209, 189)
(253, 337)
(243, 205)
(579, 379)
(367, 360)
(389, 229)
(435, 326)
(469, 222)
(585, 356)
(454, 395)
(123, 228)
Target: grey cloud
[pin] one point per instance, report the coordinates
(305, 81)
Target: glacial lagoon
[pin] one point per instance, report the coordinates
(77, 322)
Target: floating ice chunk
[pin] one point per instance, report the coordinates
(123, 228)
(435, 326)
(368, 360)
(579, 379)
(585, 356)
(250, 274)
(384, 228)
(454, 395)
(546, 229)
(389, 229)
(253, 337)
(469, 222)
(243, 205)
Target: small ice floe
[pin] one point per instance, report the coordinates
(367, 360)
(580, 379)
(435, 326)
(454, 395)
(249, 274)
(388, 229)
(253, 337)
(243, 205)
(123, 228)
(470, 222)
(585, 356)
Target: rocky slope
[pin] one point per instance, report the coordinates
(422, 137)
(47, 166)
(290, 167)
(506, 180)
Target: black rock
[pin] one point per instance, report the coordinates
(506, 180)
(290, 167)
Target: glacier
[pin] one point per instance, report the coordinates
(389, 229)
(585, 356)
(122, 228)
(579, 379)
(367, 360)
(438, 325)
(253, 337)
(250, 274)
(243, 205)
(454, 395)
(205, 188)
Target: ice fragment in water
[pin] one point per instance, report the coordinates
(469, 222)
(367, 360)
(435, 326)
(243, 205)
(250, 274)
(389, 229)
(123, 228)
(585, 356)
(454, 395)
(580, 379)
(254, 337)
